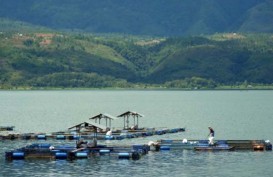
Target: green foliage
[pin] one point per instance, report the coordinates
(192, 83)
(72, 80)
(84, 60)
(225, 61)
(28, 42)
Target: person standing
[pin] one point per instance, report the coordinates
(211, 136)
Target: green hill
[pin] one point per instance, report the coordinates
(84, 60)
(30, 59)
(128, 43)
(229, 59)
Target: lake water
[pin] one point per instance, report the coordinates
(233, 115)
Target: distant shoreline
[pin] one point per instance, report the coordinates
(140, 89)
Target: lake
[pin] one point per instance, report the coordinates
(232, 114)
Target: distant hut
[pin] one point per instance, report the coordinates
(94, 127)
(107, 117)
(88, 126)
(129, 114)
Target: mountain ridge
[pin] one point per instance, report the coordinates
(156, 18)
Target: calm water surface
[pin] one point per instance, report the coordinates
(233, 115)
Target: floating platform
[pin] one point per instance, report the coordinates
(221, 147)
(7, 128)
(67, 152)
(119, 135)
(134, 152)
(254, 145)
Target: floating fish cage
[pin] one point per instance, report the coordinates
(7, 128)
(134, 152)
(67, 152)
(255, 145)
(90, 135)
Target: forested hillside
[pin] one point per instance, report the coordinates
(35, 60)
(144, 17)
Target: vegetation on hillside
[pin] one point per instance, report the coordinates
(78, 60)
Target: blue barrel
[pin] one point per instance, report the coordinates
(135, 155)
(129, 136)
(81, 155)
(124, 155)
(165, 148)
(107, 137)
(120, 137)
(44, 146)
(41, 137)
(159, 132)
(104, 151)
(143, 149)
(60, 137)
(174, 130)
(138, 146)
(146, 148)
(60, 155)
(165, 131)
(144, 134)
(18, 155)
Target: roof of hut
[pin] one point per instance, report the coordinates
(131, 113)
(88, 125)
(104, 116)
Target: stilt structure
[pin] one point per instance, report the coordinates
(126, 117)
(107, 117)
(89, 126)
